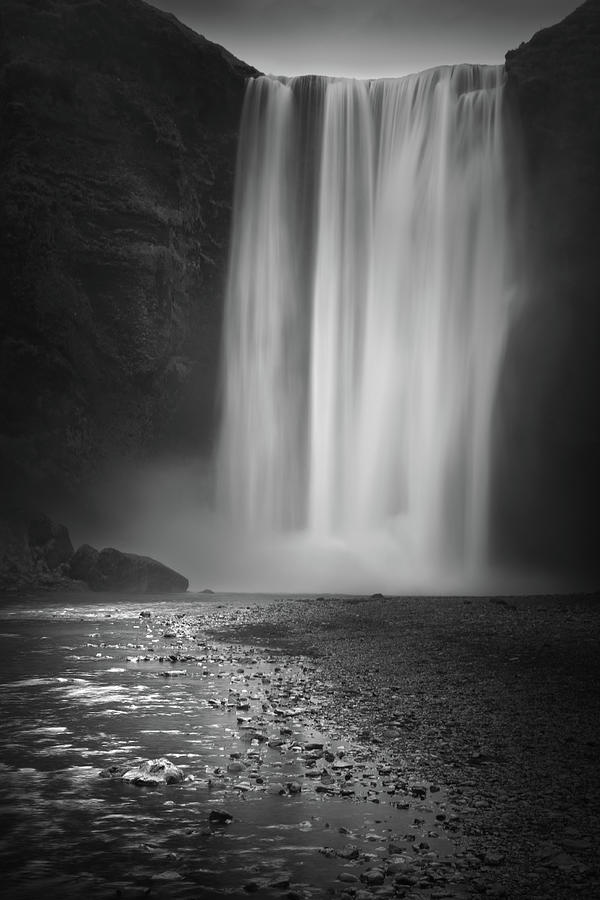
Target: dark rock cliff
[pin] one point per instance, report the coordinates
(118, 130)
(549, 490)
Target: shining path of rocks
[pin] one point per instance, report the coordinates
(287, 749)
(272, 802)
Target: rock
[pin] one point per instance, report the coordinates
(112, 570)
(110, 336)
(34, 553)
(114, 771)
(151, 772)
(419, 790)
(16, 561)
(83, 564)
(51, 540)
(154, 772)
(373, 877)
(219, 817)
(552, 89)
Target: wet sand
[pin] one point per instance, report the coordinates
(363, 746)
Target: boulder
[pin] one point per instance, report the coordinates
(152, 772)
(51, 541)
(112, 570)
(16, 562)
(34, 554)
(83, 564)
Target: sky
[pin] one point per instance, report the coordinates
(366, 38)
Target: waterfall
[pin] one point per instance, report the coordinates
(366, 314)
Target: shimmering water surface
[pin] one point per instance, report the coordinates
(88, 685)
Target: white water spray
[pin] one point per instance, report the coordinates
(366, 315)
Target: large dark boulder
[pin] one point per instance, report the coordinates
(548, 476)
(16, 560)
(84, 563)
(51, 540)
(34, 554)
(112, 570)
(117, 152)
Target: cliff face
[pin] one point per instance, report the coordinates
(548, 490)
(118, 130)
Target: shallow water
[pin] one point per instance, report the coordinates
(87, 685)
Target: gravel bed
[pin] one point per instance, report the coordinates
(495, 701)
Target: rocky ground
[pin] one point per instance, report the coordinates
(493, 701)
(389, 747)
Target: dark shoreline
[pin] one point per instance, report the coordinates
(496, 701)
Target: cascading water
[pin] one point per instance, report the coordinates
(366, 314)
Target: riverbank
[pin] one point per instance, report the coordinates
(497, 700)
(366, 747)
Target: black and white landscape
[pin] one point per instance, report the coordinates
(299, 451)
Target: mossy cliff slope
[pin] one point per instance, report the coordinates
(549, 490)
(118, 131)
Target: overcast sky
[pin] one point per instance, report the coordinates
(366, 38)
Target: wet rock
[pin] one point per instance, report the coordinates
(419, 790)
(373, 877)
(220, 817)
(154, 772)
(276, 788)
(114, 771)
